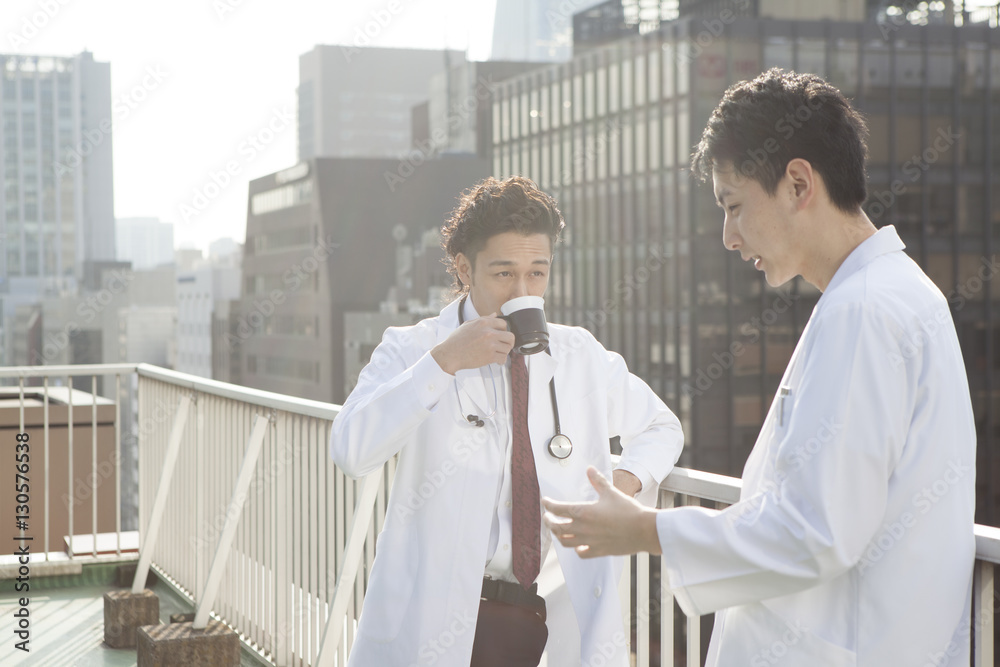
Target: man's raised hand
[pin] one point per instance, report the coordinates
(612, 525)
(478, 342)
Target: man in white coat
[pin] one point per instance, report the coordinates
(446, 587)
(852, 542)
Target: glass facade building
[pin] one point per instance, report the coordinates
(56, 166)
(610, 134)
(56, 199)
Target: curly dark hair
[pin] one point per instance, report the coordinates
(762, 124)
(493, 207)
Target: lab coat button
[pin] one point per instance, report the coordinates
(506, 547)
(597, 591)
(507, 503)
(430, 387)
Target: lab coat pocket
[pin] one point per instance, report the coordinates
(394, 574)
(754, 635)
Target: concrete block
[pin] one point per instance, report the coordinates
(125, 611)
(180, 645)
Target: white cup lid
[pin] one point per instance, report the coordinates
(522, 302)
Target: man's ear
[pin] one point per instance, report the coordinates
(802, 181)
(464, 268)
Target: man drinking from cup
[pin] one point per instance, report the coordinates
(488, 408)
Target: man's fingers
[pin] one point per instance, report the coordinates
(562, 509)
(598, 481)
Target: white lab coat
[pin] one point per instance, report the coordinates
(852, 542)
(424, 588)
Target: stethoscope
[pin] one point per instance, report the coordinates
(560, 446)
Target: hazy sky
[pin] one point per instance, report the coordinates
(193, 81)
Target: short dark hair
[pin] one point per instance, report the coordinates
(763, 124)
(493, 207)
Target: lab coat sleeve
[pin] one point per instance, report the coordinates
(825, 497)
(651, 435)
(392, 398)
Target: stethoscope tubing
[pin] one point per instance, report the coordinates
(560, 446)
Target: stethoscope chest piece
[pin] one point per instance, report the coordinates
(560, 446)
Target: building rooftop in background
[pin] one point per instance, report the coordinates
(355, 100)
(146, 242)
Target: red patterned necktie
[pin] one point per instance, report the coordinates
(526, 522)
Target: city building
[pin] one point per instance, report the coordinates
(56, 209)
(188, 259)
(322, 239)
(610, 133)
(145, 242)
(355, 101)
(198, 295)
(457, 116)
(225, 252)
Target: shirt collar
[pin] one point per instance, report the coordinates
(470, 310)
(883, 241)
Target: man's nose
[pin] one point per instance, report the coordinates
(519, 288)
(730, 237)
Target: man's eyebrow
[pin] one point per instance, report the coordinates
(510, 262)
(725, 192)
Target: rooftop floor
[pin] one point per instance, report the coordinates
(67, 620)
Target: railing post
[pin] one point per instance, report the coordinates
(199, 489)
(352, 561)
(160, 503)
(233, 514)
(982, 614)
(625, 598)
(666, 598)
(642, 609)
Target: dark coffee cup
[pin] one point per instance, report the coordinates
(525, 317)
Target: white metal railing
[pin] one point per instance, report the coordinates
(257, 520)
(81, 489)
(257, 525)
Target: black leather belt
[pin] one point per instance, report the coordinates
(515, 594)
